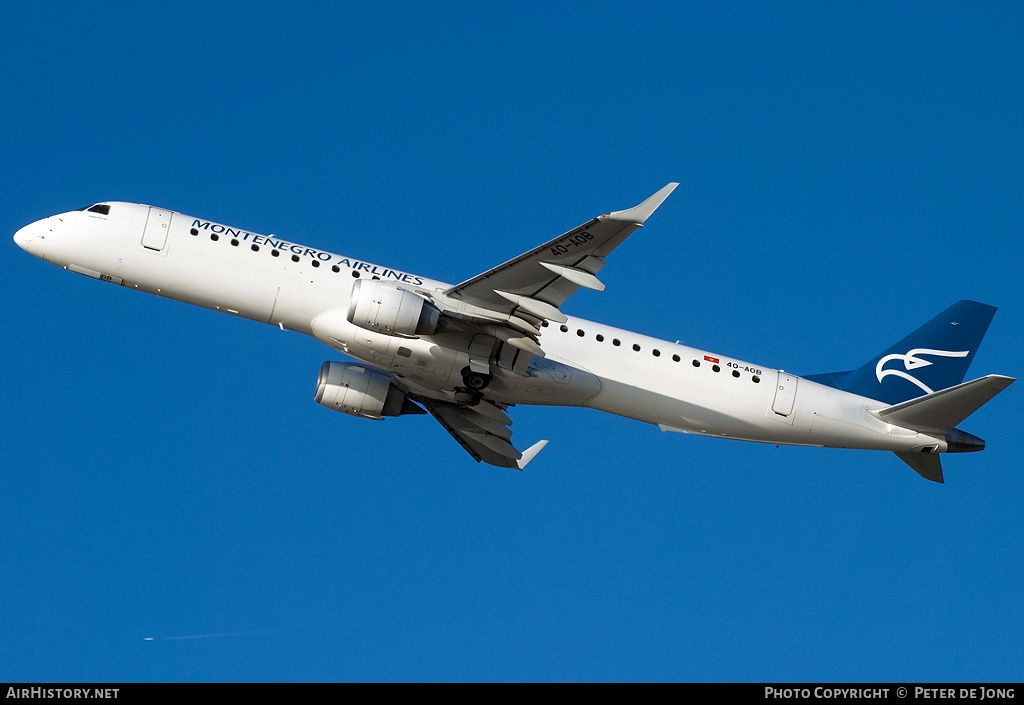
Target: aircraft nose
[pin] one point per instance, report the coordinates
(21, 238)
(32, 239)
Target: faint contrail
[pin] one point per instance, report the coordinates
(203, 636)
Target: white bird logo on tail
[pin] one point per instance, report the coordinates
(912, 362)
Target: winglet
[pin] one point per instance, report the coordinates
(529, 453)
(639, 214)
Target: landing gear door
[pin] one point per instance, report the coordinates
(785, 395)
(154, 237)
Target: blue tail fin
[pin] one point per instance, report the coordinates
(933, 357)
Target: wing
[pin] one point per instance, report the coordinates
(528, 289)
(508, 304)
(483, 430)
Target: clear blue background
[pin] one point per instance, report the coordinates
(846, 173)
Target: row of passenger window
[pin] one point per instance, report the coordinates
(565, 329)
(277, 253)
(715, 367)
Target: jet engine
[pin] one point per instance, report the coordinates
(386, 309)
(356, 390)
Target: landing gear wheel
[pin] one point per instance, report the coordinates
(475, 381)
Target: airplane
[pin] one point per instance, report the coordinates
(467, 353)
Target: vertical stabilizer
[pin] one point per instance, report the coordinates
(934, 357)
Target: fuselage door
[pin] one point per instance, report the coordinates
(785, 394)
(154, 237)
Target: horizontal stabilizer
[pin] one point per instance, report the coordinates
(942, 411)
(927, 465)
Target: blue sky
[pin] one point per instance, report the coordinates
(846, 173)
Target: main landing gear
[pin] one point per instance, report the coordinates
(475, 383)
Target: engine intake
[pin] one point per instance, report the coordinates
(386, 309)
(356, 390)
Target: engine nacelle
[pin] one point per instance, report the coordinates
(356, 390)
(386, 309)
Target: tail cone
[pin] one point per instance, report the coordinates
(961, 442)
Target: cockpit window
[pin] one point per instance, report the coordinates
(101, 208)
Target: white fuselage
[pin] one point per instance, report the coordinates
(267, 279)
